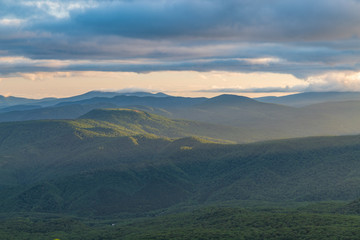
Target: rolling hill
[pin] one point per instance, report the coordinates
(120, 162)
(266, 121)
(250, 120)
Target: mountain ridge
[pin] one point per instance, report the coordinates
(128, 174)
(309, 98)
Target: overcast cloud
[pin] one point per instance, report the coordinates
(304, 38)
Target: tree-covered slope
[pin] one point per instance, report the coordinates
(95, 167)
(147, 123)
(44, 145)
(201, 223)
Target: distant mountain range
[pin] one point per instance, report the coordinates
(255, 120)
(309, 98)
(297, 100)
(6, 102)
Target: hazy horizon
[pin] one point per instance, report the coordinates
(63, 48)
(174, 94)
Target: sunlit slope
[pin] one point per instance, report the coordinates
(78, 167)
(97, 135)
(40, 145)
(147, 123)
(75, 165)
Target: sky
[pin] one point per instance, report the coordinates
(57, 48)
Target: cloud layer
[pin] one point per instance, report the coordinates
(328, 82)
(304, 38)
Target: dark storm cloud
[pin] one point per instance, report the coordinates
(247, 20)
(308, 36)
(231, 65)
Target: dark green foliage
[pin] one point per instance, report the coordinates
(203, 223)
(110, 162)
(232, 223)
(72, 179)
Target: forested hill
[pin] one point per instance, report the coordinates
(95, 167)
(248, 119)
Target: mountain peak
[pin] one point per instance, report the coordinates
(229, 100)
(116, 115)
(232, 97)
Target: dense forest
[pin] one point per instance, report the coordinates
(121, 173)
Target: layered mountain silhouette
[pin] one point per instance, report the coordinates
(309, 98)
(258, 120)
(138, 153)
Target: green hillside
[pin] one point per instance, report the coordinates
(156, 178)
(42, 145)
(111, 162)
(146, 123)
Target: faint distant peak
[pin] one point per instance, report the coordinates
(228, 99)
(145, 94)
(309, 98)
